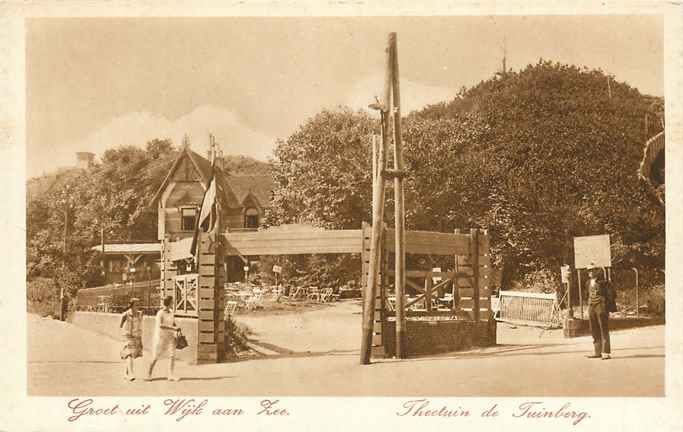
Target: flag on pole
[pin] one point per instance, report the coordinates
(207, 206)
(207, 211)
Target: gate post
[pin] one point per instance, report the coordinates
(210, 316)
(378, 346)
(474, 259)
(379, 322)
(485, 274)
(168, 271)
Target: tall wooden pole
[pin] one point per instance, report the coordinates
(578, 279)
(104, 259)
(377, 218)
(399, 205)
(375, 170)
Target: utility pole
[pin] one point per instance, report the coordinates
(104, 262)
(66, 234)
(505, 52)
(399, 205)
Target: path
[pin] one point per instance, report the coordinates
(65, 360)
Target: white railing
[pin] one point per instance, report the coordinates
(186, 295)
(533, 309)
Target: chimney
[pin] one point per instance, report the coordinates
(84, 160)
(215, 153)
(220, 161)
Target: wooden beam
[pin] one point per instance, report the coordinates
(293, 243)
(431, 243)
(377, 231)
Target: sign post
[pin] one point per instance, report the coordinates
(565, 272)
(277, 270)
(591, 251)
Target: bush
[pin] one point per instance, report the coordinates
(42, 296)
(655, 298)
(236, 340)
(542, 281)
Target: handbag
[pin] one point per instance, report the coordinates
(180, 341)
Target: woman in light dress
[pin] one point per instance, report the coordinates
(165, 334)
(131, 323)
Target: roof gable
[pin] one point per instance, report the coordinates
(259, 187)
(234, 189)
(201, 167)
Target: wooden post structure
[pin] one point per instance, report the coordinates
(399, 203)
(168, 272)
(429, 283)
(375, 170)
(474, 254)
(578, 280)
(377, 219)
(456, 280)
(570, 307)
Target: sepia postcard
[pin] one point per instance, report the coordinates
(261, 216)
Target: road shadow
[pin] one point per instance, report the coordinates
(638, 356)
(503, 351)
(76, 361)
(282, 352)
(215, 378)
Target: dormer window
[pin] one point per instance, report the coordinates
(188, 218)
(251, 218)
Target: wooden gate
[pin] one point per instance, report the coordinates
(185, 295)
(462, 293)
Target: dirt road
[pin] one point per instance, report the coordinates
(316, 353)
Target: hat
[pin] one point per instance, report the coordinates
(133, 300)
(590, 266)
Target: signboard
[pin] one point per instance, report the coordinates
(436, 279)
(564, 271)
(277, 269)
(592, 249)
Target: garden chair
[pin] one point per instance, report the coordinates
(231, 307)
(255, 301)
(314, 294)
(325, 295)
(298, 293)
(328, 295)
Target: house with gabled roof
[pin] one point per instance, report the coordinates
(244, 198)
(244, 201)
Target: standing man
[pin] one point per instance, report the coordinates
(600, 303)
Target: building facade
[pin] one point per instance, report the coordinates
(243, 201)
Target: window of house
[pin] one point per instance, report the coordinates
(188, 216)
(251, 218)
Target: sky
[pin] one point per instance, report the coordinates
(98, 83)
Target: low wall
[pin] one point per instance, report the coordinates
(440, 336)
(578, 327)
(108, 324)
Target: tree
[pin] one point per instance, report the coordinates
(562, 157)
(113, 195)
(536, 157)
(322, 172)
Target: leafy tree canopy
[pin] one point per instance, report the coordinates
(536, 157)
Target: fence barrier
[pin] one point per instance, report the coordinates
(115, 297)
(533, 309)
